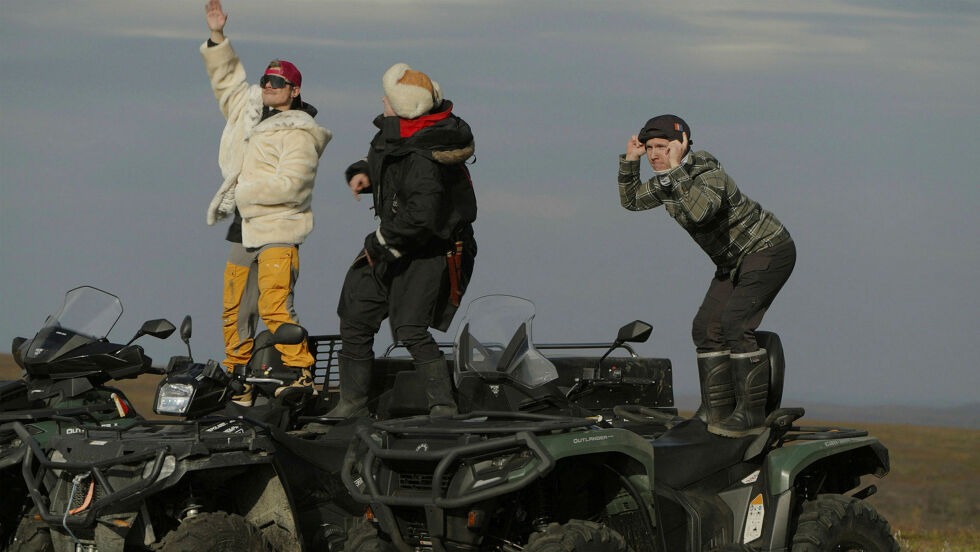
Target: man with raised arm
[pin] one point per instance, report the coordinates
(269, 152)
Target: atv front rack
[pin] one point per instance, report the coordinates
(37, 465)
(364, 487)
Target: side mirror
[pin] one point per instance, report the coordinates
(185, 334)
(636, 331)
(15, 350)
(289, 334)
(159, 328)
(185, 329)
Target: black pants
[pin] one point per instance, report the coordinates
(412, 293)
(733, 308)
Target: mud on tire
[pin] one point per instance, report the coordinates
(836, 522)
(363, 537)
(577, 536)
(216, 531)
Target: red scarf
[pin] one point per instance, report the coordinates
(408, 127)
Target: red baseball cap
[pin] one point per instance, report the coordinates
(285, 70)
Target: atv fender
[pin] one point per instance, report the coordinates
(601, 441)
(565, 446)
(857, 456)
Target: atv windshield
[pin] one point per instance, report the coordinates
(495, 338)
(87, 311)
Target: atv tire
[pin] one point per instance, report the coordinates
(577, 536)
(32, 535)
(215, 531)
(363, 537)
(837, 522)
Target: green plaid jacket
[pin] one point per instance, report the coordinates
(705, 201)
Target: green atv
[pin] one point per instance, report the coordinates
(67, 370)
(537, 474)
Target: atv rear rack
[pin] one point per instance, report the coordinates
(447, 345)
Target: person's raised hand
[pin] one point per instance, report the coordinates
(216, 19)
(676, 150)
(359, 183)
(634, 148)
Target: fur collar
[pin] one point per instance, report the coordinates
(293, 119)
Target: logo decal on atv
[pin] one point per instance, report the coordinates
(423, 447)
(751, 478)
(226, 427)
(581, 440)
(495, 389)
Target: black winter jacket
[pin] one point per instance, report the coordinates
(422, 190)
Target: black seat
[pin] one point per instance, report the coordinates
(777, 367)
(687, 453)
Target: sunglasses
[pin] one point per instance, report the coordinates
(275, 80)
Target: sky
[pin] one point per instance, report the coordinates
(855, 123)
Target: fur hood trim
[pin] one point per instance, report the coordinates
(453, 157)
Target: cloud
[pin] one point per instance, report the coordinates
(764, 35)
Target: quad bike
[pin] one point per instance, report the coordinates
(66, 367)
(259, 472)
(226, 477)
(554, 480)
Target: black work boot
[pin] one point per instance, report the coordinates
(355, 381)
(751, 389)
(717, 387)
(438, 387)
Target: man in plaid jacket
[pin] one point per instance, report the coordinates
(752, 250)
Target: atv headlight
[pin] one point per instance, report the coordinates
(174, 398)
(498, 469)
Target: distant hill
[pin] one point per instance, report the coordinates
(967, 416)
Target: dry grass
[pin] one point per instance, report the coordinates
(931, 497)
(939, 541)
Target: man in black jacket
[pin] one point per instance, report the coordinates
(414, 268)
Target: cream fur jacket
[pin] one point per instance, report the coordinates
(269, 166)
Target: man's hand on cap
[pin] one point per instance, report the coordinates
(634, 149)
(676, 151)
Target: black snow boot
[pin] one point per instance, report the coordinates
(752, 390)
(438, 387)
(355, 381)
(717, 387)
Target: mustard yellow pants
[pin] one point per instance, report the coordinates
(259, 284)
